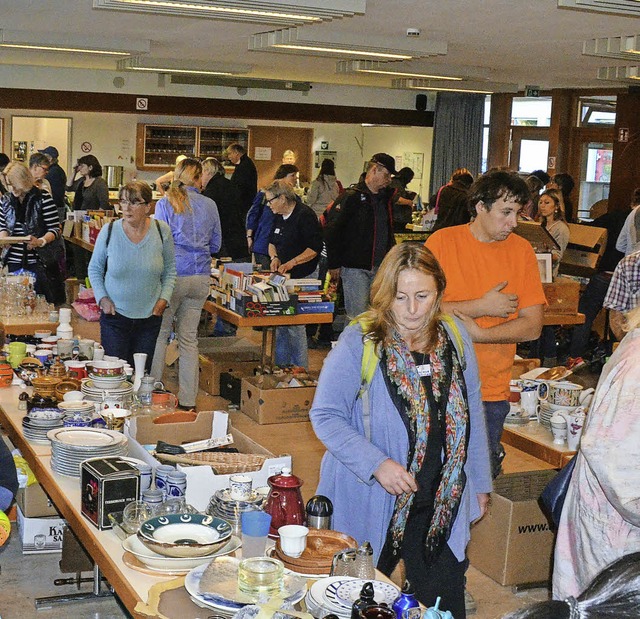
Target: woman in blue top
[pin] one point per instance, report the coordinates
(195, 226)
(260, 218)
(414, 462)
(133, 272)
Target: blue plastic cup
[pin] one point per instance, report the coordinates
(255, 529)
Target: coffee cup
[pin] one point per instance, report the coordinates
(564, 393)
(240, 487)
(293, 539)
(529, 402)
(166, 399)
(65, 348)
(575, 424)
(18, 348)
(115, 418)
(86, 348)
(98, 352)
(558, 429)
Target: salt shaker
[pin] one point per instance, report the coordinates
(363, 567)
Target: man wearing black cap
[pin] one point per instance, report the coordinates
(359, 232)
(57, 179)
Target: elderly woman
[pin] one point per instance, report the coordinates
(416, 461)
(91, 191)
(294, 247)
(28, 211)
(133, 273)
(195, 226)
(601, 515)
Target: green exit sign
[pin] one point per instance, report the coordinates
(532, 91)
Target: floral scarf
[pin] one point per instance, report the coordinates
(445, 371)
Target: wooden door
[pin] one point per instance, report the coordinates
(271, 141)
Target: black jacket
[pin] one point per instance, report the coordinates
(351, 228)
(245, 178)
(227, 199)
(453, 207)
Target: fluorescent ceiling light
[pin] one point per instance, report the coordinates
(323, 42)
(279, 12)
(619, 74)
(485, 88)
(174, 66)
(383, 68)
(625, 48)
(618, 7)
(55, 42)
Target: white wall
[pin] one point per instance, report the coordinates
(113, 140)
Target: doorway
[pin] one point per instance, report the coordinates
(529, 149)
(29, 134)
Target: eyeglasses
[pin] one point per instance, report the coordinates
(128, 203)
(268, 202)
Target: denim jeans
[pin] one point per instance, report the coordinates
(122, 336)
(185, 306)
(495, 414)
(291, 346)
(590, 305)
(356, 285)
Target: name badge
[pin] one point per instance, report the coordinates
(424, 370)
(276, 231)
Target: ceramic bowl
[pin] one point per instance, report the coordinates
(107, 382)
(184, 535)
(106, 368)
(157, 561)
(66, 385)
(40, 335)
(73, 396)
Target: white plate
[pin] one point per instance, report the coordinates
(384, 592)
(159, 563)
(86, 437)
(192, 585)
(317, 596)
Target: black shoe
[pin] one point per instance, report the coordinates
(496, 461)
(180, 407)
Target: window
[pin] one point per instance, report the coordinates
(597, 111)
(531, 112)
(485, 133)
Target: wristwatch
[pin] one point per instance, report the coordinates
(44, 241)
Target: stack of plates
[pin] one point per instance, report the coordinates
(38, 422)
(223, 506)
(83, 407)
(337, 594)
(111, 397)
(549, 410)
(71, 446)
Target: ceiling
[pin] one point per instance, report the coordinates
(509, 43)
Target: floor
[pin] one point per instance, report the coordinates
(23, 578)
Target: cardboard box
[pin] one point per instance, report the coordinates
(34, 503)
(320, 307)
(148, 433)
(202, 482)
(586, 246)
(40, 535)
(562, 295)
(107, 485)
(256, 309)
(263, 402)
(513, 543)
(225, 354)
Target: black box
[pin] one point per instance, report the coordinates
(230, 387)
(107, 485)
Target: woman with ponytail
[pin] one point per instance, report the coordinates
(195, 226)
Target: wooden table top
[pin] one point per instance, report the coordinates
(22, 325)
(535, 440)
(265, 321)
(549, 318)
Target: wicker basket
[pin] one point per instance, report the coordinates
(221, 463)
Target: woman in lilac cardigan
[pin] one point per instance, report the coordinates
(412, 475)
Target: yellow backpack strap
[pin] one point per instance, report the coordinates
(368, 367)
(454, 331)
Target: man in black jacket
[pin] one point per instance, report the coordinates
(227, 199)
(244, 177)
(359, 232)
(57, 179)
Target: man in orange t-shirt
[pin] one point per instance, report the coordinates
(493, 286)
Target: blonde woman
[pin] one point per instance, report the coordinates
(195, 226)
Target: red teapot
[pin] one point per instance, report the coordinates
(284, 501)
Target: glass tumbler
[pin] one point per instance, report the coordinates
(258, 575)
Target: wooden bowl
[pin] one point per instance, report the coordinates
(66, 385)
(322, 544)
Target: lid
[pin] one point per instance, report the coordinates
(407, 588)
(319, 506)
(367, 591)
(285, 479)
(365, 549)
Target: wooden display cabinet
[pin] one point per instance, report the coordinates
(157, 146)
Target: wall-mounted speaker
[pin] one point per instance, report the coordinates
(421, 103)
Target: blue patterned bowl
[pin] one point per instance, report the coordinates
(184, 535)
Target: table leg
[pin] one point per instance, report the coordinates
(96, 593)
(268, 351)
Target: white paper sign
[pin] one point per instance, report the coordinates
(262, 153)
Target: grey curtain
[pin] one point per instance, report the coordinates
(457, 136)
